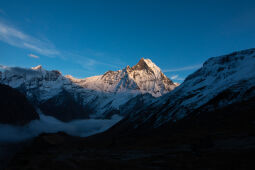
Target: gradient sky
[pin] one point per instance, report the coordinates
(86, 38)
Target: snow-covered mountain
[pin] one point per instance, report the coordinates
(220, 82)
(69, 98)
(144, 77)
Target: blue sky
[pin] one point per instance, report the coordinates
(86, 38)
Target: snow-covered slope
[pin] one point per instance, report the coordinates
(99, 96)
(55, 94)
(221, 81)
(36, 82)
(144, 77)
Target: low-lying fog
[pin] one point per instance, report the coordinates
(82, 128)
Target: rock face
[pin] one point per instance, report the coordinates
(61, 105)
(68, 98)
(15, 108)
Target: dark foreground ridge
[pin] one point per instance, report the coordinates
(222, 139)
(15, 108)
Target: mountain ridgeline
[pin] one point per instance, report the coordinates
(68, 98)
(144, 77)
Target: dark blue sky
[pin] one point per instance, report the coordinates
(86, 38)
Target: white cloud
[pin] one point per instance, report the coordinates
(192, 67)
(48, 124)
(17, 38)
(88, 63)
(33, 56)
(176, 77)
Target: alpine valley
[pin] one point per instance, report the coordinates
(207, 122)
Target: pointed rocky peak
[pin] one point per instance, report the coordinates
(39, 67)
(141, 65)
(146, 64)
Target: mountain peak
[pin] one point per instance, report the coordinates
(142, 60)
(39, 67)
(146, 64)
(144, 77)
(140, 65)
(149, 66)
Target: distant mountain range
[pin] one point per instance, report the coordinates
(68, 98)
(135, 92)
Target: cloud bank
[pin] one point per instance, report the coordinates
(49, 124)
(192, 67)
(33, 56)
(176, 77)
